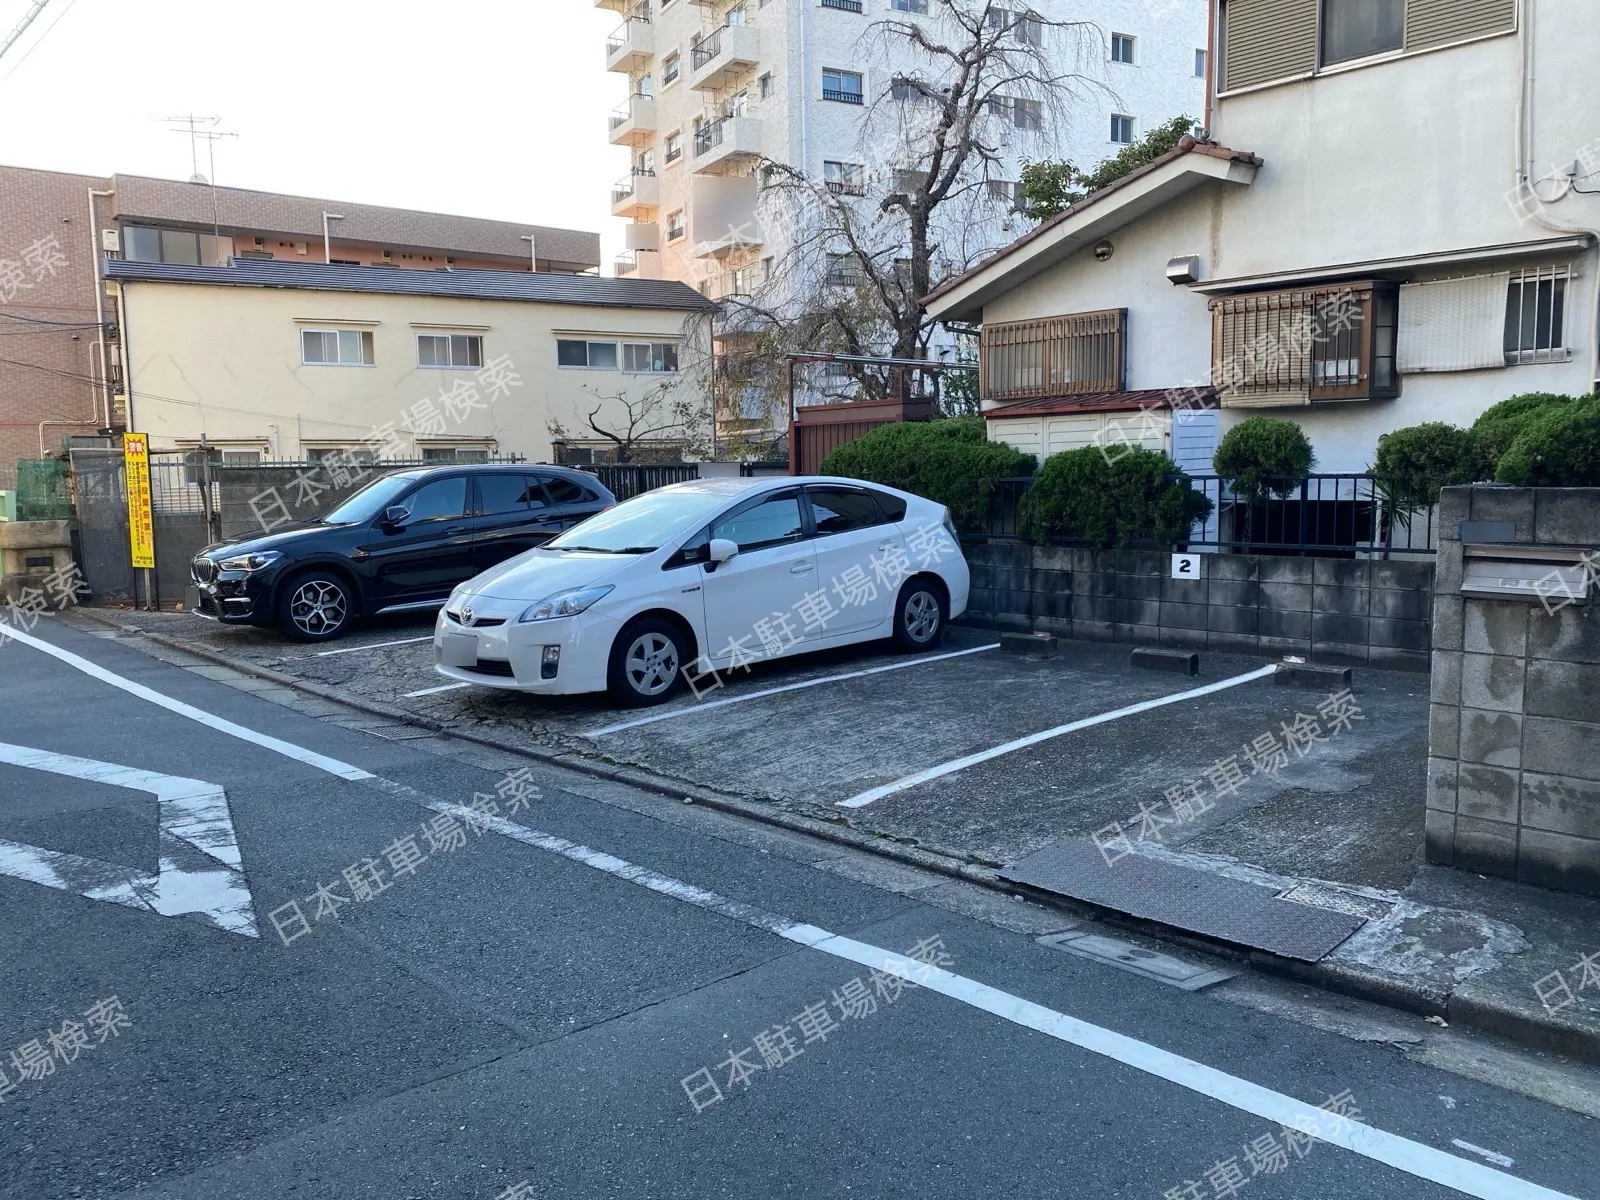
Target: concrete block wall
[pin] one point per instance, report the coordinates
(1514, 728)
(1328, 609)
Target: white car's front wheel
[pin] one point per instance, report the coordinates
(647, 663)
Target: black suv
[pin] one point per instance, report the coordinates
(402, 542)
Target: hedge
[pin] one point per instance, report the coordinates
(1263, 454)
(1086, 494)
(1415, 462)
(1559, 446)
(950, 462)
(1498, 426)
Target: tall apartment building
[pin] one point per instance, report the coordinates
(58, 374)
(716, 86)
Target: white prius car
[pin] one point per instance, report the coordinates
(704, 577)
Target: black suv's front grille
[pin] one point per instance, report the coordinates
(203, 569)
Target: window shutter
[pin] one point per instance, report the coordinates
(1268, 40)
(1453, 324)
(1440, 22)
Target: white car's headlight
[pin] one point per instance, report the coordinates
(564, 604)
(251, 562)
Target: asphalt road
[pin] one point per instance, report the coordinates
(526, 997)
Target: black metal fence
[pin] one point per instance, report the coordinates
(627, 480)
(1324, 515)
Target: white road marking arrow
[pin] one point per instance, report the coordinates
(192, 813)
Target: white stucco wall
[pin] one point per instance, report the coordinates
(1386, 160)
(226, 362)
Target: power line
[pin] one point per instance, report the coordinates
(26, 21)
(22, 25)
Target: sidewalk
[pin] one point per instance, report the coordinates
(1341, 826)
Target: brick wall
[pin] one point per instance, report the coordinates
(44, 371)
(1328, 609)
(1514, 730)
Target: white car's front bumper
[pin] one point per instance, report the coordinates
(513, 655)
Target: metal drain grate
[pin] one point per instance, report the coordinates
(1125, 956)
(1215, 906)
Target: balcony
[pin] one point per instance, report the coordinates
(634, 124)
(631, 46)
(737, 238)
(727, 143)
(716, 61)
(633, 192)
(637, 264)
(730, 285)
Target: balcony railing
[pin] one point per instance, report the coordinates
(1072, 355)
(621, 116)
(625, 263)
(706, 49)
(843, 97)
(843, 5)
(708, 137)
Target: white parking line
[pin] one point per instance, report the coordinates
(1033, 739)
(372, 646)
(434, 691)
(1413, 1158)
(288, 749)
(788, 687)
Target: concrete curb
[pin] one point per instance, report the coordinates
(1525, 1026)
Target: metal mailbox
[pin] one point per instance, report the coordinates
(1544, 574)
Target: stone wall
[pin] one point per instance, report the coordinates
(1328, 609)
(1514, 730)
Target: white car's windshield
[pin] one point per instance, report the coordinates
(642, 524)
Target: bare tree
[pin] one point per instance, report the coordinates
(665, 419)
(860, 254)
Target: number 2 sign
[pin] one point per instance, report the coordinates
(1186, 566)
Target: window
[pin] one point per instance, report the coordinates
(672, 147)
(910, 6)
(562, 490)
(1536, 317)
(1025, 27)
(336, 347)
(843, 270)
(735, 15)
(1121, 129)
(597, 356)
(650, 357)
(1335, 342)
(645, 87)
(765, 87)
(499, 492)
(773, 522)
(1006, 192)
(846, 87)
(1073, 354)
(143, 243)
(675, 228)
(440, 500)
(1122, 48)
(459, 350)
(1024, 114)
(1199, 64)
(845, 179)
(440, 455)
(842, 510)
(670, 66)
(1354, 29)
(241, 456)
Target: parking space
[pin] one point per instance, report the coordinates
(972, 750)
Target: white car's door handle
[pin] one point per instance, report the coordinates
(801, 568)
(885, 545)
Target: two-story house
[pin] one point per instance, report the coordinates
(1393, 219)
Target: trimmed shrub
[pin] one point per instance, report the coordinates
(1141, 496)
(950, 462)
(1263, 454)
(1559, 446)
(1495, 430)
(1414, 463)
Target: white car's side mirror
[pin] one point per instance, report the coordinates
(721, 550)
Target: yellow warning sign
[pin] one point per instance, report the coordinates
(141, 527)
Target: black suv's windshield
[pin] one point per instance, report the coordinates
(642, 524)
(372, 499)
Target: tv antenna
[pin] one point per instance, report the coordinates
(202, 128)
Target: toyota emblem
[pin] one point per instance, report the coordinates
(467, 616)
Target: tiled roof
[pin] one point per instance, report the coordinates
(1056, 406)
(543, 288)
(1187, 145)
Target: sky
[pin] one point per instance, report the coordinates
(486, 108)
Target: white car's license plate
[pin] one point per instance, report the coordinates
(458, 651)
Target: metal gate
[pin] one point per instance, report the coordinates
(101, 499)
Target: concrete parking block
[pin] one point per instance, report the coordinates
(1166, 660)
(1313, 675)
